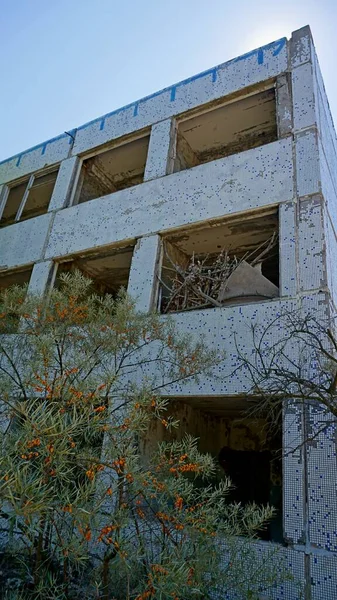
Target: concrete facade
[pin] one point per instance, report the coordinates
(121, 183)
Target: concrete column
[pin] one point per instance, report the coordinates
(304, 114)
(160, 154)
(311, 243)
(315, 471)
(66, 178)
(311, 237)
(287, 246)
(143, 282)
(294, 503)
(300, 46)
(41, 277)
(284, 112)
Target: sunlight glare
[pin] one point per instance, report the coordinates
(261, 36)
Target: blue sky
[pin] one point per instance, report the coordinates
(65, 62)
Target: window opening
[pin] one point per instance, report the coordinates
(234, 127)
(8, 280)
(113, 170)
(225, 263)
(28, 199)
(109, 272)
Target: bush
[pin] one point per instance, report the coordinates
(83, 512)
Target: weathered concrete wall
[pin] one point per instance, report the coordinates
(161, 150)
(143, 281)
(249, 180)
(65, 182)
(230, 330)
(48, 153)
(288, 249)
(24, 243)
(294, 474)
(322, 482)
(311, 245)
(331, 252)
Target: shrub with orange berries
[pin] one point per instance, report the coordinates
(91, 512)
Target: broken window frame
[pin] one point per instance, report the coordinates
(78, 182)
(30, 184)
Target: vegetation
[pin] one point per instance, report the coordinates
(83, 513)
(293, 367)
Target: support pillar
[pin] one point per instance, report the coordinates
(41, 277)
(65, 181)
(160, 155)
(143, 282)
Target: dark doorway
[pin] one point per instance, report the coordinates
(256, 479)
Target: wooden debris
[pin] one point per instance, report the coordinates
(202, 283)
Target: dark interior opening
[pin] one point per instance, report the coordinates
(113, 170)
(108, 271)
(28, 199)
(256, 477)
(39, 196)
(245, 448)
(7, 280)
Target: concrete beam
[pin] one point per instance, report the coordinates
(24, 243)
(254, 179)
(105, 182)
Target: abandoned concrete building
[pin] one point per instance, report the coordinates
(231, 173)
